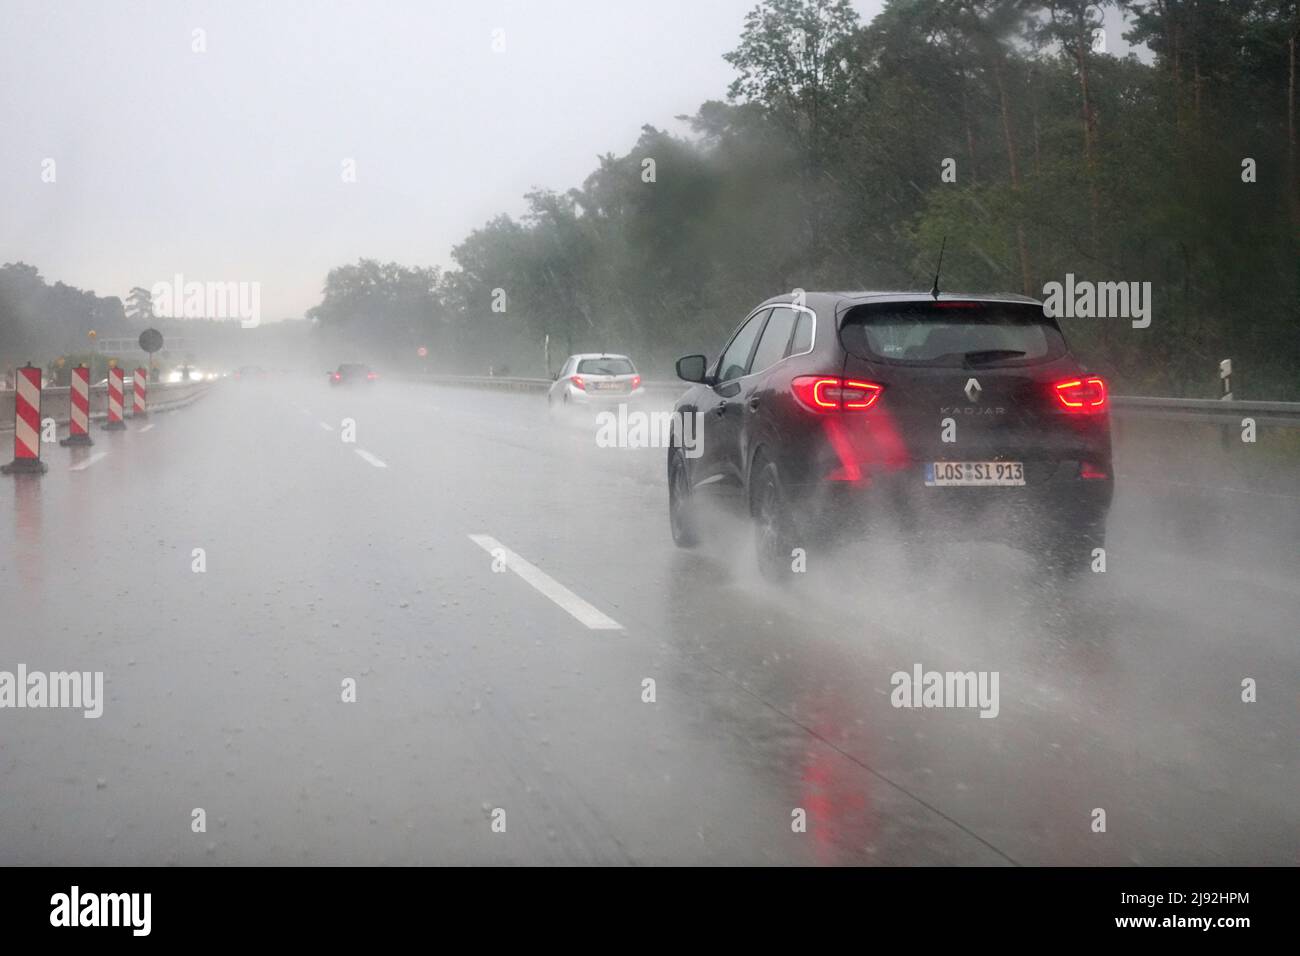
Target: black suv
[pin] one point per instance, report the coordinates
(964, 415)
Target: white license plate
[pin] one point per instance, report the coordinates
(974, 473)
(607, 386)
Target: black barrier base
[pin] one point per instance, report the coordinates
(76, 440)
(24, 466)
(114, 426)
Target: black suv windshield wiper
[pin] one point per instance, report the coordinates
(983, 356)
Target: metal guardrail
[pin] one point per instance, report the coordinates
(56, 400)
(495, 382)
(1202, 410)
(1210, 410)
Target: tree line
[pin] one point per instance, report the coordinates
(38, 319)
(845, 152)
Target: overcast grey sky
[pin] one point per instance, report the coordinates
(225, 165)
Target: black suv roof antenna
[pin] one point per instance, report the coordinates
(935, 290)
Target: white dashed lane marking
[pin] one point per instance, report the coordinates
(83, 465)
(370, 458)
(547, 585)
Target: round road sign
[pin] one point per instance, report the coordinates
(151, 340)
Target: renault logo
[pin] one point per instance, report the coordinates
(972, 390)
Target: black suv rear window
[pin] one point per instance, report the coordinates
(952, 334)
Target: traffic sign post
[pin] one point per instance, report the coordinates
(151, 341)
(1226, 433)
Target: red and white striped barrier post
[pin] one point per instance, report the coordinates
(27, 424)
(114, 422)
(141, 377)
(79, 413)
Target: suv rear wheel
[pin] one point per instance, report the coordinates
(774, 536)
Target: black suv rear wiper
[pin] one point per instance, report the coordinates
(982, 356)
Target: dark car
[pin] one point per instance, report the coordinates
(965, 415)
(352, 373)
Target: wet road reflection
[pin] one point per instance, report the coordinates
(473, 688)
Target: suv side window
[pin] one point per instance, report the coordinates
(776, 336)
(735, 360)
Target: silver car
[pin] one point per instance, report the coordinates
(595, 378)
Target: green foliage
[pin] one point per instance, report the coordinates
(375, 309)
(38, 319)
(822, 170)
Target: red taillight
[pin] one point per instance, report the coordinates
(828, 393)
(577, 380)
(859, 396)
(1091, 470)
(372, 376)
(1083, 395)
(808, 390)
(336, 376)
(636, 382)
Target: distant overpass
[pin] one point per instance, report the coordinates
(130, 346)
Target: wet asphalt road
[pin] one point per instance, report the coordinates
(476, 690)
